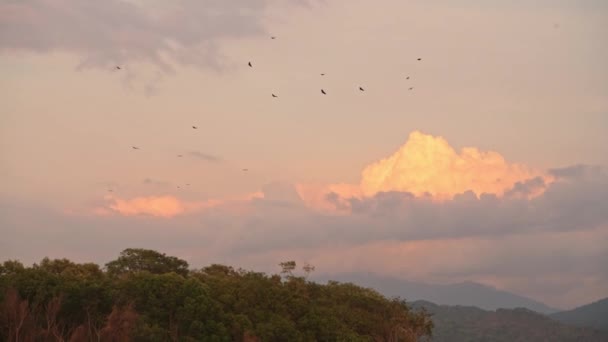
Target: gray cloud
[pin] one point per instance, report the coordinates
(578, 204)
(205, 157)
(280, 220)
(527, 188)
(557, 235)
(578, 172)
(117, 32)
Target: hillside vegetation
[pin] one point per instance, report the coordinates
(147, 296)
(594, 315)
(464, 323)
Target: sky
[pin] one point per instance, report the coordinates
(492, 168)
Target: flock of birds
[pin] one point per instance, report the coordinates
(272, 94)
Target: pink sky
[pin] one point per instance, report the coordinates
(497, 157)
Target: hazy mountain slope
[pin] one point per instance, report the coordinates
(465, 323)
(468, 293)
(591, 315)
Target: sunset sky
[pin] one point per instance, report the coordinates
(493, 168)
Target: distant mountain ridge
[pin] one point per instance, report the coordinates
(594, 315)
(466, 323)
(467, 293)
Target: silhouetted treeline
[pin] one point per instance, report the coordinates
(467, 323)
(148, 296)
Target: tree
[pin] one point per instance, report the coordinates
(133, 260)
(121, 324)
(148, 296)
(11, 267)
(287, 267)
(15, 314)
(308, 269)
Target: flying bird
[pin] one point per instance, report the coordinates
(361, 88)
(407, 78)
(273, 95)
(250, 64)
(179, 155)
(322, 74)
(411, 88)
(323, 91)
(245, 169)
(194, 127)
(135, 147)
(419, 59)
(117, 67)
(273, 37)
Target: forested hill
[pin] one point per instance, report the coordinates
(594, 315)
(144, 295)
(466, 323)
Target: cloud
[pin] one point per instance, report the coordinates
(327, 197)
(165, 206)
(428, 164)
(168, 206)
(396, 216)
(550, 226)
(205, 157)
(116, 32)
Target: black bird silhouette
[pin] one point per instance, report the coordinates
(407, 78)
(322, 74)
(273, 37)
(194, 127)
(273, 95)
(361, 88)
(419, 59)
(323, 91)
(135, 147)
(117, 67)
(250, 64)
(411, 88)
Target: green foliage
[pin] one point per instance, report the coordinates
(133, 260)
(148, 296)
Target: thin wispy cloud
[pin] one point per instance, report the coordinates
(205, 157)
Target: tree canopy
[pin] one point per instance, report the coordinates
(145, 295)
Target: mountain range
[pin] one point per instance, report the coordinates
(465, 293)
(466, 323)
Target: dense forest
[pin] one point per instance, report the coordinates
(467, 323)
(145, 295)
